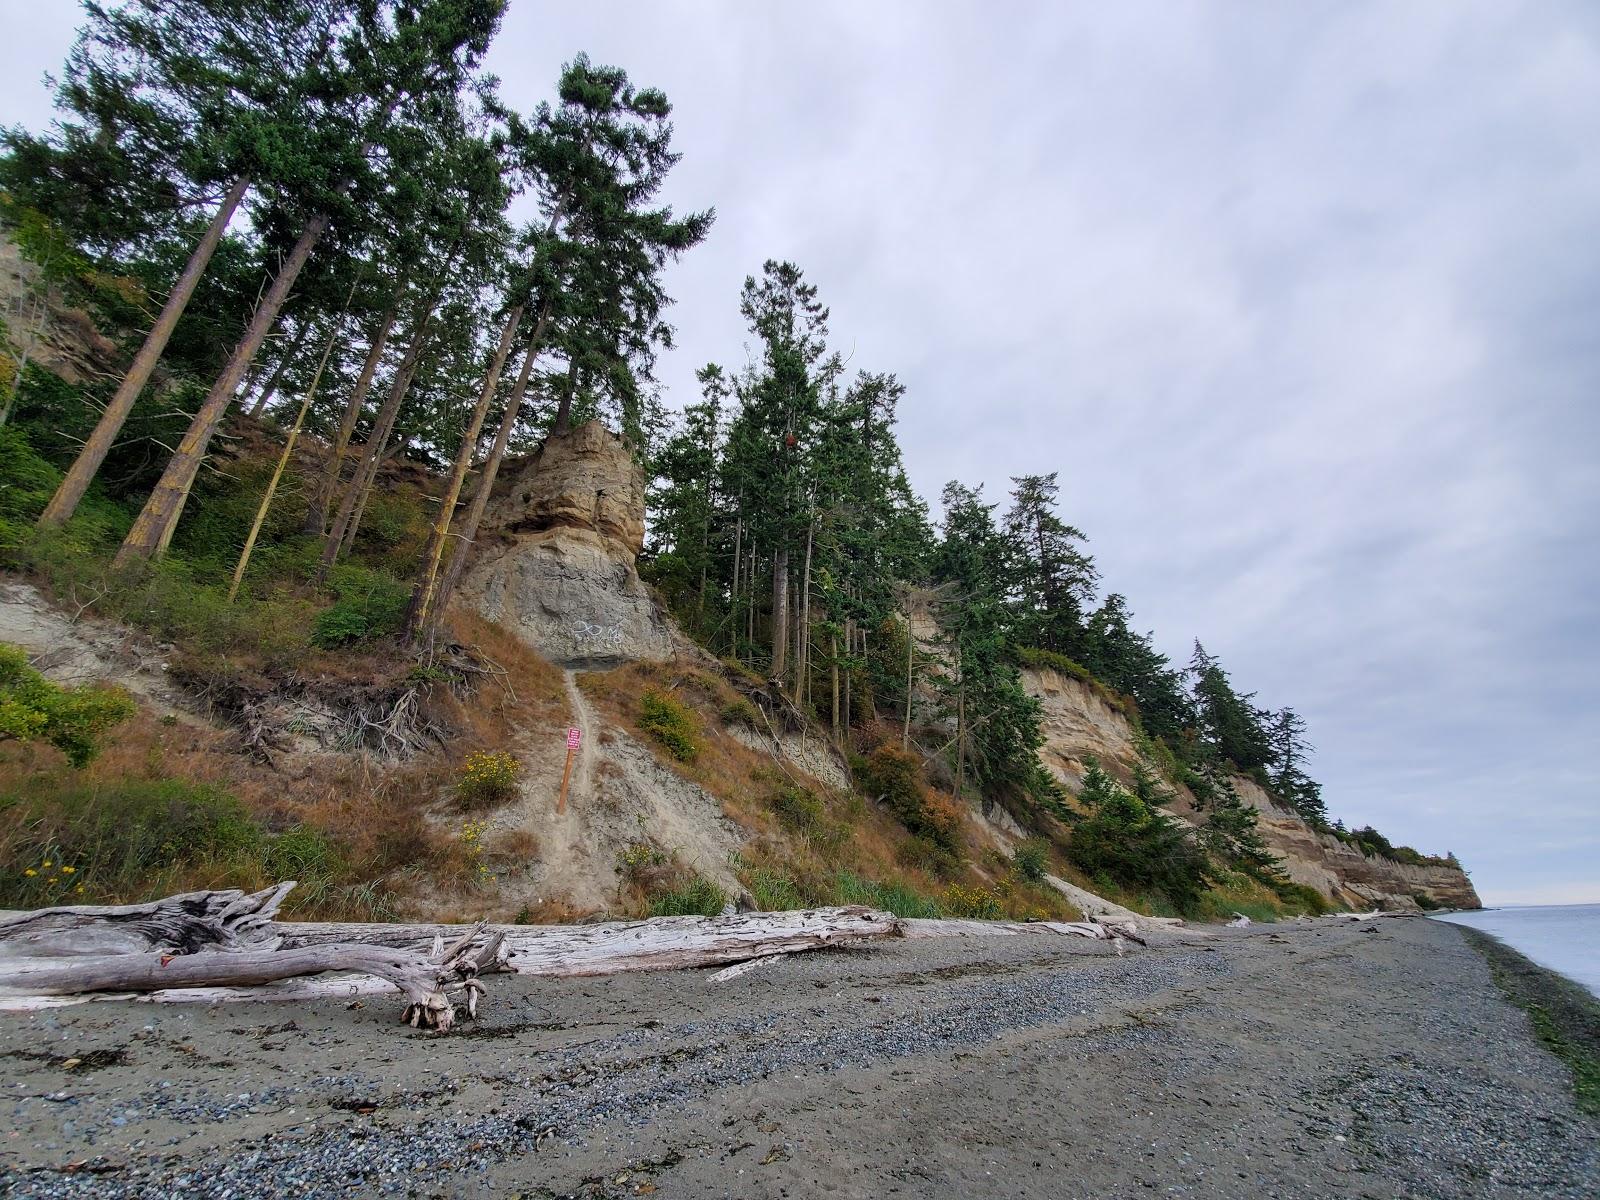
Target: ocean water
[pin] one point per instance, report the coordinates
(1563, 937)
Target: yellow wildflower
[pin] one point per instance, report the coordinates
(30, 872)
(69, 870)
(47, 862)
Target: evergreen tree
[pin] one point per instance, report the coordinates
(1052, 579)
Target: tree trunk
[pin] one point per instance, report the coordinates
(961, 734)
(333, 470)
(804, 684)
(833, 659)
(423, 598)
(153, 527)
(290, 353)
(348, 519)
(911, 647)
(733, 590)
(491, 468)
(849, 641)
(780, 612)
(283, 463)
(67, 497)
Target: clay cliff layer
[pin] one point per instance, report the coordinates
(1081, 722)
(556, 562)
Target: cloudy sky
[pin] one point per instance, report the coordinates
(1302, 301)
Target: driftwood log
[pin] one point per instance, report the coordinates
(614, 947)
(184, 924)
(1118, 933)
(225, 947)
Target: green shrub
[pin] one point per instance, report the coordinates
(370, 605)
(771, 891)
(799, 810)
(1138, 847)
(694, 895)
(894, 777)
(890, 896)
(488, 779)
(671, 723)
(973, 903)
(1032, 859)
(741, 712)
(1298, 895)
(70, 719)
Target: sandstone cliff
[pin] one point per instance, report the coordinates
(556, 563)
(1081, 722)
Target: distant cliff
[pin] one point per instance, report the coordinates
(1080, 722)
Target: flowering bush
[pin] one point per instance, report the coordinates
(972, 902)
(488, 778)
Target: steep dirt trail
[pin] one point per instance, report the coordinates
(583, 720)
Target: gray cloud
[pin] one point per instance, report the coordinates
(1299, 299)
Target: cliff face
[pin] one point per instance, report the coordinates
(1080, 723)
(56, 338)
(557, 563)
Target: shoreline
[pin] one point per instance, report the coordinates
(1320, 1060)
(1565, 1014)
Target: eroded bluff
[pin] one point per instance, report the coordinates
(557, 561)
(1080, 723)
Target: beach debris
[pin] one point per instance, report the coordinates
(1105, 931)
(224, 946)
(1240, 921)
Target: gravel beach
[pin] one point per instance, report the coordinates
(1316, 1059)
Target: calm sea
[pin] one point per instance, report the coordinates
(1563, 937)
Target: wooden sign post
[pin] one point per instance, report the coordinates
(574, 740)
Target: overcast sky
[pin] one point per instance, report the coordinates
(1301, 300)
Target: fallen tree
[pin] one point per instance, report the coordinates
(226, 946)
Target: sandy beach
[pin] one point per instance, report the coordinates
(1306, 1060)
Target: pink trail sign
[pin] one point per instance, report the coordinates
(574, 738)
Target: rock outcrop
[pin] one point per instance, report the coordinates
(55, 337)
(1080, 722)
(557, 558)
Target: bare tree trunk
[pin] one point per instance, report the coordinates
(422, 599)
(153, 527)
(290, 353)
(780, 612)
(961, 733)
(804, 655)
(333, 471)
(911, 646)
(750, 606)
(833, 658)
(355, 497)
(849, 640)
(283, 463)
(68, 496)
(734, 590)
(491, 468)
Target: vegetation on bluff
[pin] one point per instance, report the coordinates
(293, 231)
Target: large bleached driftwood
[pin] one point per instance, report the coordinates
(221, 920)
(423, 981)
(304, 961)
(223, 944)
(1103, 931)
(659, 944)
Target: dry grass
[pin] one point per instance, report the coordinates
(847, 834)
